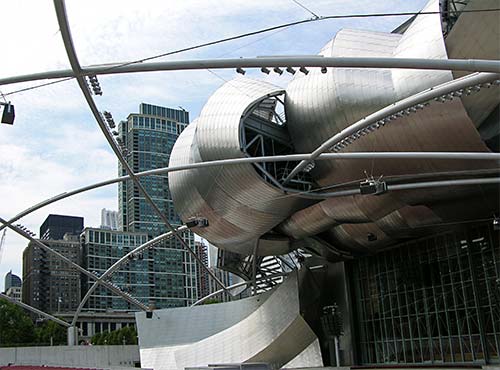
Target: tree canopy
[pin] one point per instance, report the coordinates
(16, 326)
(125, 335)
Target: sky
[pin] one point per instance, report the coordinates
(55, 144)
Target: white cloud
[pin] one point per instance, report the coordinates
(55, 145)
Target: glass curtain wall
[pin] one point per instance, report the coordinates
(434, 300)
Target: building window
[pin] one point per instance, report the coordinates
(433, 300)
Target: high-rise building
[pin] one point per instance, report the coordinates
(49, 283)
(12, 280)
(13, 286)
(226, 278)
(14, 292)
(202, 277)
(157, 277)
(109, 219)
(101, 249)
(148, 137)
(55, 226)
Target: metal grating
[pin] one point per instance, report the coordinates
(435, 300)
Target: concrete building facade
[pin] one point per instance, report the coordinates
(49, 284)
(14, 292)
(109, 219)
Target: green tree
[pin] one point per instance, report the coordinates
(125, 335)
(16, 326)
(50, 329)
(96, 338)
(211, 301)
(130, 335)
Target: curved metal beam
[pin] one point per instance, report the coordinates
(35, 310)
(280, 158)
(470, 65)
(234, 286)
(433, 92)
(414, 185)
(76, 266)
(62, 19)
(117, 264)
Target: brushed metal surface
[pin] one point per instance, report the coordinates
(349, 95)
(241, 207)
(239, 204)
(264, 328)
(477, 35)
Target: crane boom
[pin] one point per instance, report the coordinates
(2, 240)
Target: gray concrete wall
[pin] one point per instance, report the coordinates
(83, 356)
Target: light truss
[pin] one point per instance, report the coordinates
(470, 65)
(76, 68)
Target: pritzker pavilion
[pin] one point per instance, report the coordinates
(370, 184)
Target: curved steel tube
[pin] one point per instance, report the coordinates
(75, 66)
(396, 107)
(417, 185)
(117, 264)
(280, 158)
(35, 310)
(182, 228)
(470, 65)
(237, 285)
(110, 286)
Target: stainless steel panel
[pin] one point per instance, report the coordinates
(349, 97)
(238, 203)
(241, 206)
(477, 36)
(266, 328)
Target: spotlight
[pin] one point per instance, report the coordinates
(8, 114)
(278, 70)
(371, 186)
(371, 237)
(496, 224)
(197, 222)
(310, 166)
(291, 70)
(304, 70)
(241, 71)
(324, 70)
(265, 70)
(94, 83)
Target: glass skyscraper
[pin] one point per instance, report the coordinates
(148, 137)
(102, 248)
